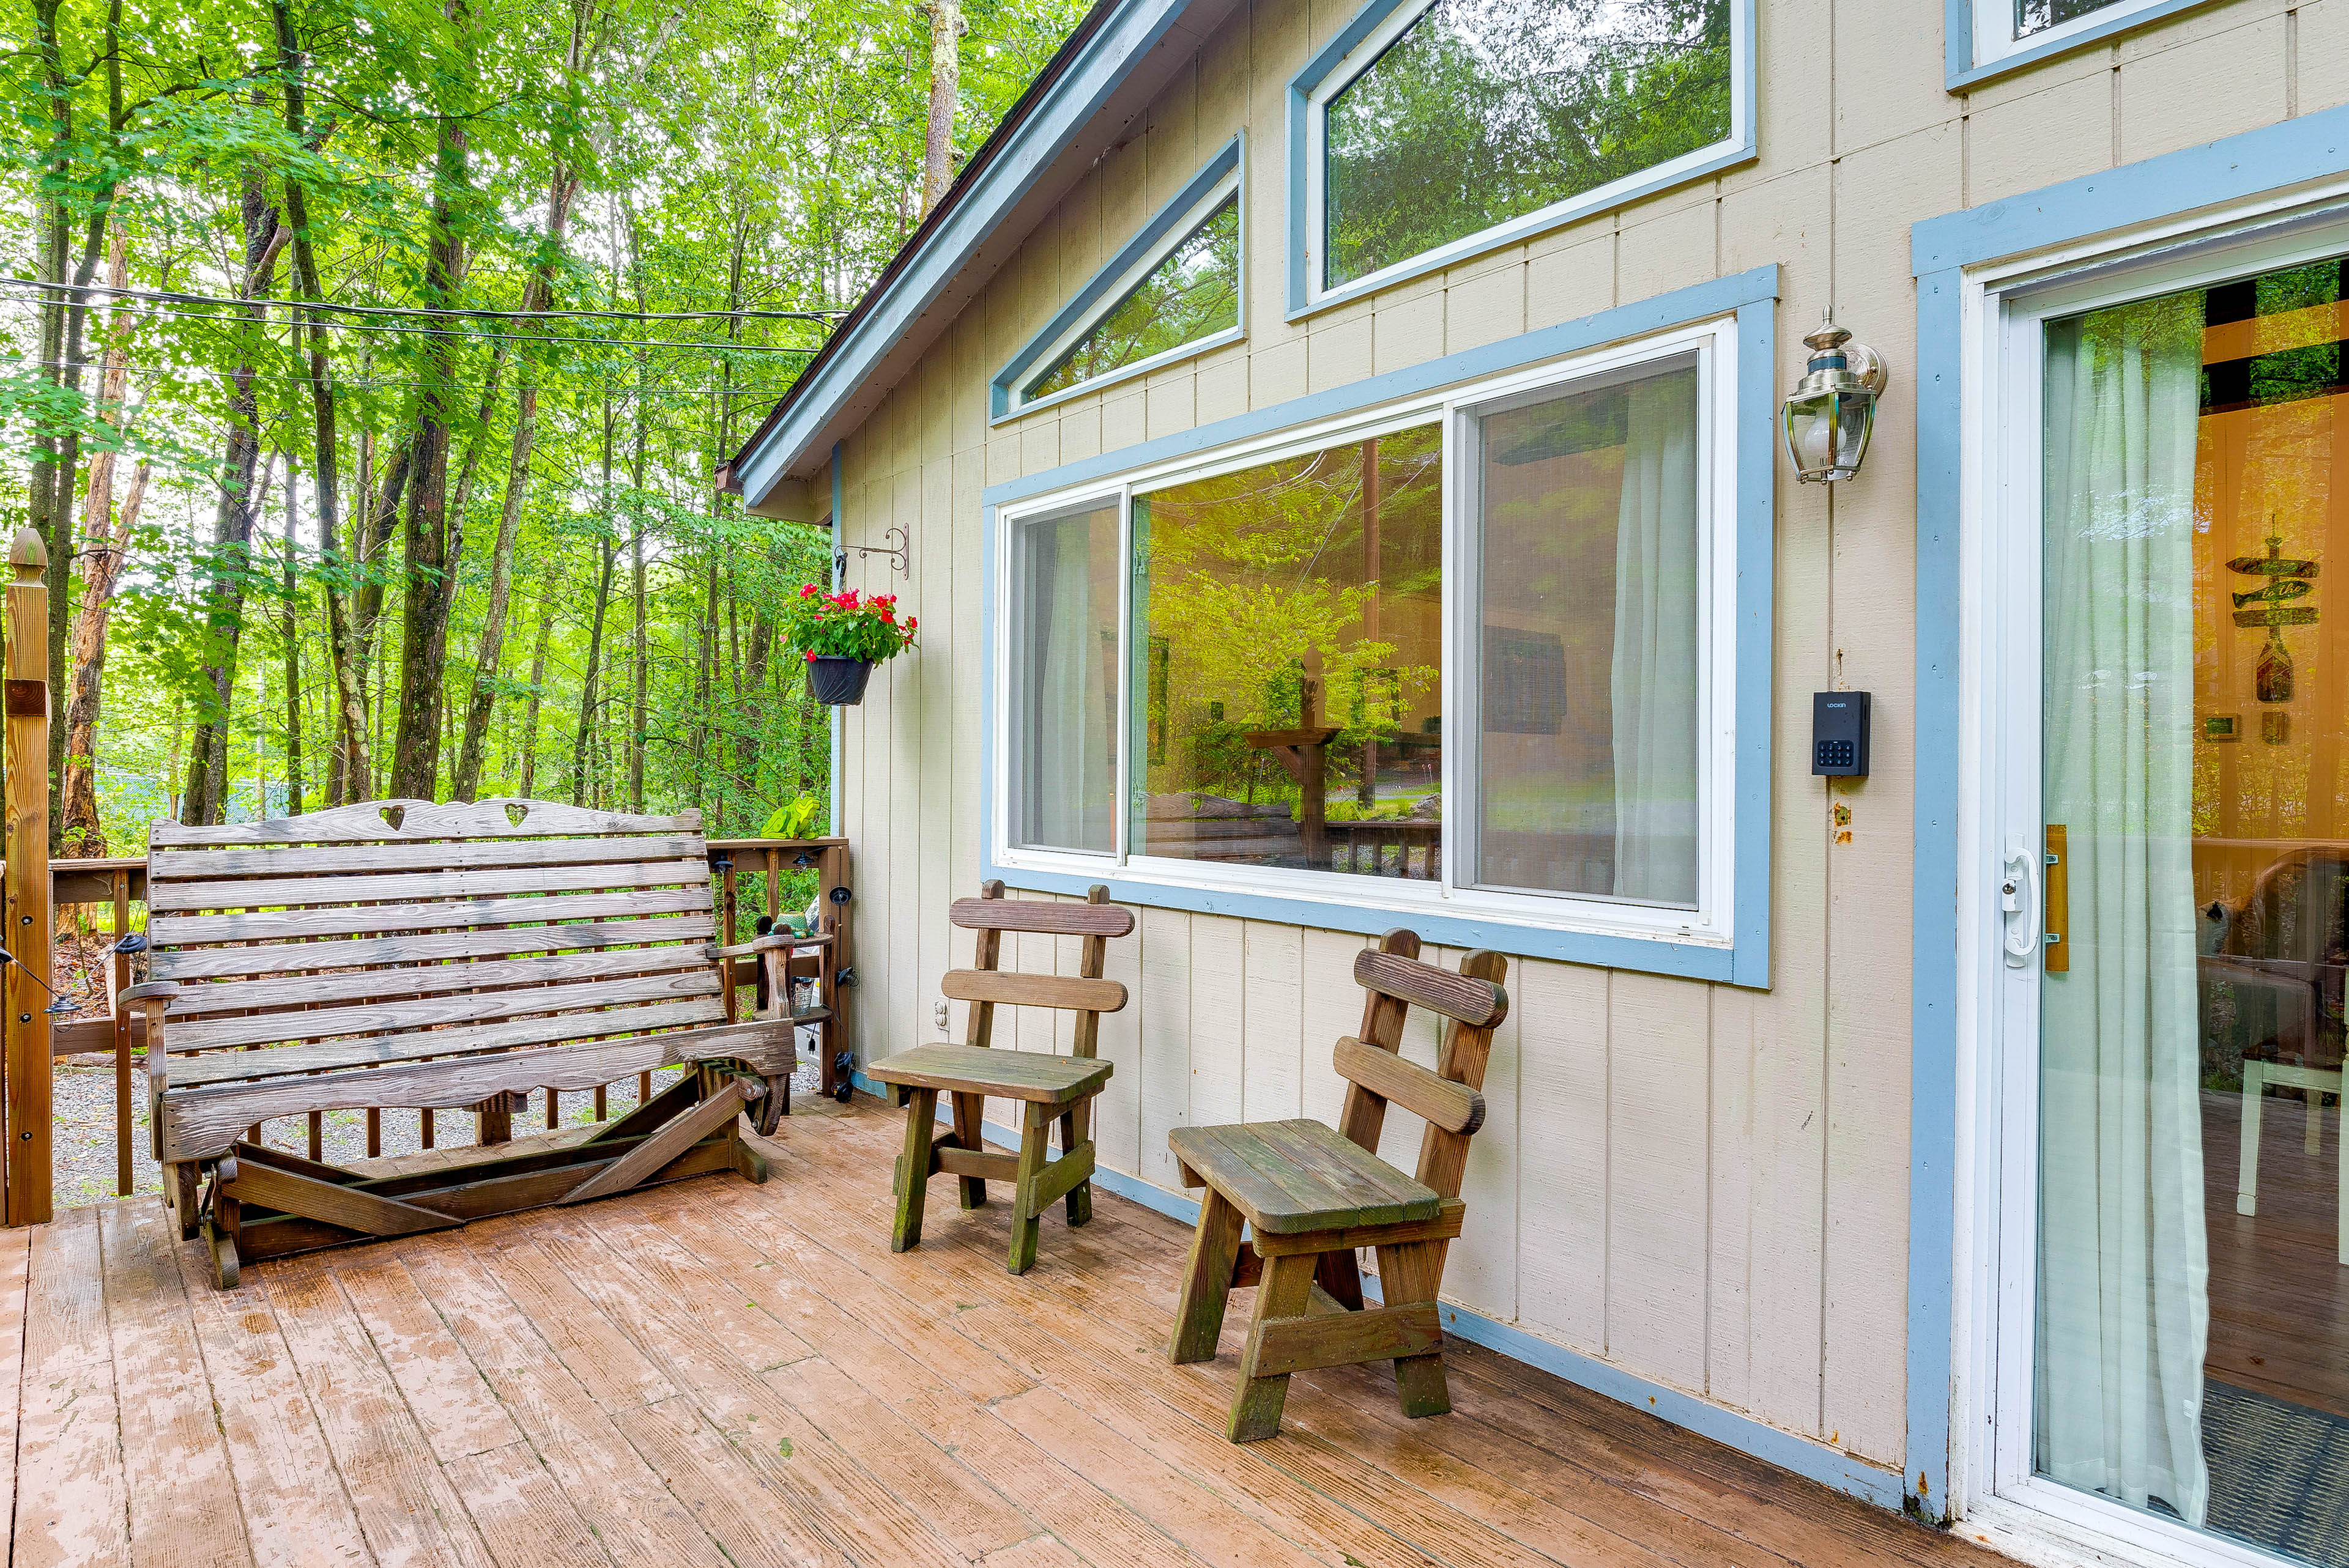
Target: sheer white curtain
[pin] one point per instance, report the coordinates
(1067, 772)
(2124, 1310)
(1654, 677)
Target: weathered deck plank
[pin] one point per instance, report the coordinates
(713, 1373)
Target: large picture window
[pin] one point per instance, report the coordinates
(1470, 651)
(1448, 125)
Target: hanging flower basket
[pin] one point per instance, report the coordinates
(838, 681)
(841, 636)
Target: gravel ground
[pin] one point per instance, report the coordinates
(84, 1138)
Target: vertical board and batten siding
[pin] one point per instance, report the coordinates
(1706, 1186)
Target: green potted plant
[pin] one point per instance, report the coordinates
(841, 636)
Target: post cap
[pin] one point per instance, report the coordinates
(27, 556)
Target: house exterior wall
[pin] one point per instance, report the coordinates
(1703, 1186)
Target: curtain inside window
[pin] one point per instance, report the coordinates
(1654, 677)
(2122, 1311)
(1067, 768)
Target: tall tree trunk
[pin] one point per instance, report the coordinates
(325, 455)
(946, 85)
(581, 749)
(207, 792)
(290, 630)
(538, 295)
(79, 833)
(428, 546)
(63, 317)
(538, 693)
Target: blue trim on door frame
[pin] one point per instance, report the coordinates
(1772, 1445)
(1154, 233)
(1740, 146)
(2238, 168)
(1957, 40)
(1752, 297)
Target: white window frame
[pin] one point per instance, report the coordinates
(2004, 312)
(1108, 290)
(1982, 44)
(1712, 922)
(1994, 37)
(1310, 287)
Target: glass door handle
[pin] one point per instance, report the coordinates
(2019, 901)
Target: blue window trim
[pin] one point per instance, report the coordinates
(1958, 38)
(1752, 297)
(1738, 147)
(1161, 234)
(2274, 158)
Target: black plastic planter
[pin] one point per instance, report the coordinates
(837, 680)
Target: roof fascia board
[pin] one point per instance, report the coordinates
(1082, 91)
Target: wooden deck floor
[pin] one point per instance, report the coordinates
(714, 1373)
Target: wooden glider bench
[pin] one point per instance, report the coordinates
(403, 953)
(1309, 1195)
(1048, 1087)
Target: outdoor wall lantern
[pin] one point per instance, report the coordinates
(1832, 411)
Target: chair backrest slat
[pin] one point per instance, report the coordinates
(985, 985)
(1436, 1099)
(1068, 992)
(1087, 919)
(1449, 1099)
(1463, 996)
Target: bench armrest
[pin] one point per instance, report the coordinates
(163, 991)
(767, 944)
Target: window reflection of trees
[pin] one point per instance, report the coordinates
(1485, 110)
(1257, 581)
(1193, 293)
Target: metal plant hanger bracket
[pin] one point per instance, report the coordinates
(895, 548)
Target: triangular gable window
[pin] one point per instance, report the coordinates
(1174, 291)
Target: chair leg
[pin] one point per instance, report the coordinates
(1034, 1135)
(1256, 1409)
(1207, 1282)
(969, 1112)
(1338, 1274)
(1410, 1274)
(2247, 1169)
(1079, 1204)
(914, 1168)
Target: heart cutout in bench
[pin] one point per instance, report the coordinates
(516, 811)
(393, 815)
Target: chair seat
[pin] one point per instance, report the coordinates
(1008, 1073)
(1288, 1178)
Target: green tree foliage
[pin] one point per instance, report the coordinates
(679, 168)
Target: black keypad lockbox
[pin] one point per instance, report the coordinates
(1839, 733)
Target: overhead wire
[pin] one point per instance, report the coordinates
(181, 296)
(150, 312)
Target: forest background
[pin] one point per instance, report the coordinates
(365, 365)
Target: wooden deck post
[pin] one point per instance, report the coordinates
(27, 1066)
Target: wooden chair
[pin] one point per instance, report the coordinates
(1311, 1195)
(1048, 1087)
(403, 953)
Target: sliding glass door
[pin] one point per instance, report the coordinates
(2174, 928)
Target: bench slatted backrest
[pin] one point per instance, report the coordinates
(1449, 1098)
(395, 930)
(985, 984)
